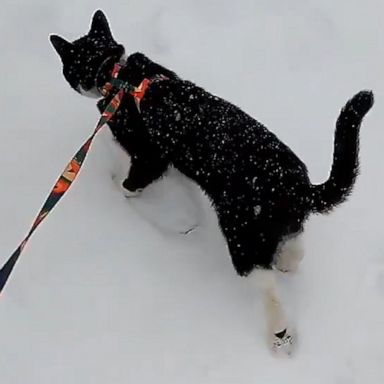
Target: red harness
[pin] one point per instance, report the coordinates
(137, 92)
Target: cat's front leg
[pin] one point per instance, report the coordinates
(127, 192)
(142, 173)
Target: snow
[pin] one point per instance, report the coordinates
(108, 290)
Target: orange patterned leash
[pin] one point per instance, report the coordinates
(72, 170)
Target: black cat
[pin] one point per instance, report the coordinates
(259, 188)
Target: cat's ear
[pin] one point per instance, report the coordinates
(62, 46)
(100, 26)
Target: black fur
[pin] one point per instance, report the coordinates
(259, 188)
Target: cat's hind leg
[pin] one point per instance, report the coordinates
(290, 254)
(253, 243)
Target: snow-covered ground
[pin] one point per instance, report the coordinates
(108, 291)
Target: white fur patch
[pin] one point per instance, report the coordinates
(276, 321)
(93, 93)
(127, 193)
(290, 255)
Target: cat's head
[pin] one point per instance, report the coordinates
(88, 61)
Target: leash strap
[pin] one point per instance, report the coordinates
(62, 185)
(71, 171)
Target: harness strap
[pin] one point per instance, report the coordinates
(137, 92)
(72, 170)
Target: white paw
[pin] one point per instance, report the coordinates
(128, 194)
(283, 345)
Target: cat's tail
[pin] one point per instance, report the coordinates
(345, 167)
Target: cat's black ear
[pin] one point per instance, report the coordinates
(100, 26)
(61, 45)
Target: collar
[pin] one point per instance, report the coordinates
(137, 92)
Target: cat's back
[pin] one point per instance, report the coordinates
(207, 126)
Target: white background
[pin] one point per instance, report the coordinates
(107, 291)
